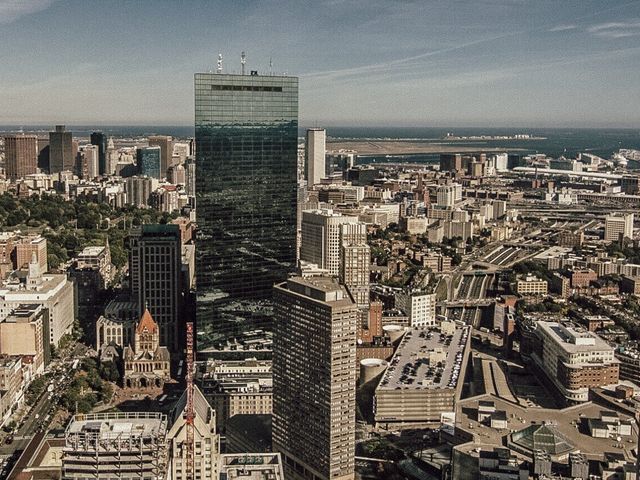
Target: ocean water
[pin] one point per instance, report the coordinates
(568, 142)
(558, 141)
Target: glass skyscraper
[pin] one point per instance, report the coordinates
(100, 139)
(246, 163)
(149, 161)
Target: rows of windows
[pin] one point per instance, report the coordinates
(246, 88)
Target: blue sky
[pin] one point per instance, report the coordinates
(361, 62)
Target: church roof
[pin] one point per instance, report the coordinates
(162, 353)
(147, 323)
(127, 353)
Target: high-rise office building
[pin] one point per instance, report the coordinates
(139, 190)
(315, 151)
(89, 157)
(449, 195)
(246, 147)
(355, 262)
(61, 150)
(616, 226)
(314, 378)
(100, 140)
(21, 155)
(111, 157)
(155, 264)
(43, 153)
(190, 176)
(150, 162)
(165, 143)
(320, 242)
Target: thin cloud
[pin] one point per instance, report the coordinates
(616, 29)
(381, 67)
(562, 28)
(12, 10)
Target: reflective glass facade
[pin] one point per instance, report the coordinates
(246, 145)
(149, 162)
(100, 139)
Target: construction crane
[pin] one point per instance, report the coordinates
(189, 416)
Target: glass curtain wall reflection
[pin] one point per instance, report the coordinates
(246, 148)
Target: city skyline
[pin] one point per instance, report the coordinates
(406, 63)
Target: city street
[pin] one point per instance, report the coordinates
(41, 414)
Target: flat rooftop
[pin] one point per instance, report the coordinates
(572, 339)
(552, 252)
(91, 252)
(114, 425)
(569, 422)
(251, 466)
(321, 288)
(409, 367)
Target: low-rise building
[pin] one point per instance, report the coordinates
(424, 377)
(238, 387)
(501, 464)
(609, 425)
(630, 285)
(12, 386)
(532, 285)
(582, 277)
(420, 307)
(25, 332)
(629, 359)
(52, 291)
(573, 359)
(251, 466)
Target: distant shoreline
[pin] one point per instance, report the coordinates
(375, 147)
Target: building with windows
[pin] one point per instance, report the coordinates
(61, 150)
(116, 445)
(618, 226)
(238, 387)
(25, 332)
(314, 378)
(88, 162)
(315, 150)
(572, 358)
(149, 162)
(449, 195)
(532, 285)
(420, 307)
(322, 238)
(14, 377)
(26, 247)
(155, 268)
(165, 143)
(52, 291)
(246, 191)
(20, 156)
(146, 362)
(206, 439)
(92, 272)
(99, 139)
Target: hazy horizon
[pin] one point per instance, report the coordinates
(491, 63)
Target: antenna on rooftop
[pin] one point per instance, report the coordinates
(219, 67)
(243, 61)
(270, 66)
